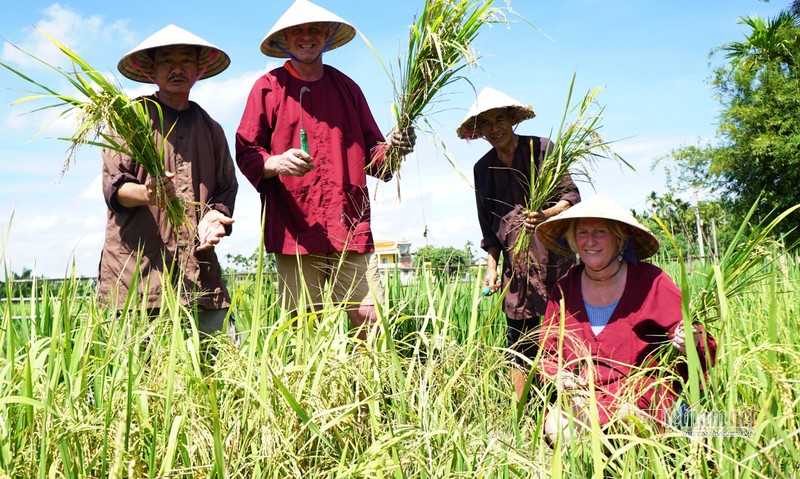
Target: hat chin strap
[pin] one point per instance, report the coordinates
(136, 66)
(213, 54)
(628, 253)
(325, 47)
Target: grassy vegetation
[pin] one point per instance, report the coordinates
(86, 394)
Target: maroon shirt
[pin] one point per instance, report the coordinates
(328, 209)
(501, 194)
(197, 152)
(647, 314)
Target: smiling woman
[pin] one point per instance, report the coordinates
(606, 321)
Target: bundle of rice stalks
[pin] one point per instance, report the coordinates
(578, 146)
(107, 118)
(439, 48)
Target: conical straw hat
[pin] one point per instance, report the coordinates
(303, 11)
(490, 99)
(551, 232)
(138, 66)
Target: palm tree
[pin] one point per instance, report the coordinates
(773, 40)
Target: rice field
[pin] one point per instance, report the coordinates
(85, 394)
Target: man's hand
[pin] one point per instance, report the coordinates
(532, 218)
(404, 140)
(160, 191)
(490, 282)
(293, 162)
(211, 229)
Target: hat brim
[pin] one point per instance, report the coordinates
(469, 127)
(300, 13)
(274, 45)
(551, 232)
(137, 64)
(490, 99)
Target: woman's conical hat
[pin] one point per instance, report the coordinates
(551, 232)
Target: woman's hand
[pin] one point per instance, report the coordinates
(679, 339)
(569, 380)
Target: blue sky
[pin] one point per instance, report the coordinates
(651, 59)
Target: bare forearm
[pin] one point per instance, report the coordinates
(131, 195)
(493, 258)
(562, 205)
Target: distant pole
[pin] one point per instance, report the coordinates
(714, 237)
(699, 229)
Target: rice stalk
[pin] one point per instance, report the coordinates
(440, 47)
(105, 117)
(577, 148)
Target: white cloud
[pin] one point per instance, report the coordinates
(77, 32)
(94, 191)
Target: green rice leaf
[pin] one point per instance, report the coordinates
(105, 109)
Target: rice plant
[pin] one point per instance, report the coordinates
(440, 48)
(578, 146)
(107, 118)
(87, 392)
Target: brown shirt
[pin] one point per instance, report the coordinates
(501, 193)
(197, 151)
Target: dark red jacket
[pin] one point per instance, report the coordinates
(647, 314)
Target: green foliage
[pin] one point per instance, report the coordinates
(756, 156)
(248, 264)
(578, 146)
(87, 392)
(440, 47)
(107, 118)
(84, 393)
(20, 283)
(445, 259)
(680, 220)
(759, 151)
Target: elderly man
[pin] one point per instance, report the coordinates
(502, 178)
(140, 244)
(314, 192)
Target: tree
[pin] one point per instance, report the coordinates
(769, 42)
(755, 158)
(21, 286)
(248, 264)
(446, 259)
(758, 155)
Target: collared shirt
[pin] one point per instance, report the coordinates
(197, 152)
(328, 209)
(501, 194)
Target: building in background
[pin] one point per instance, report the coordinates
(395, 255)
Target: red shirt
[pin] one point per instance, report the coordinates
(327, 210)
(647, 314)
